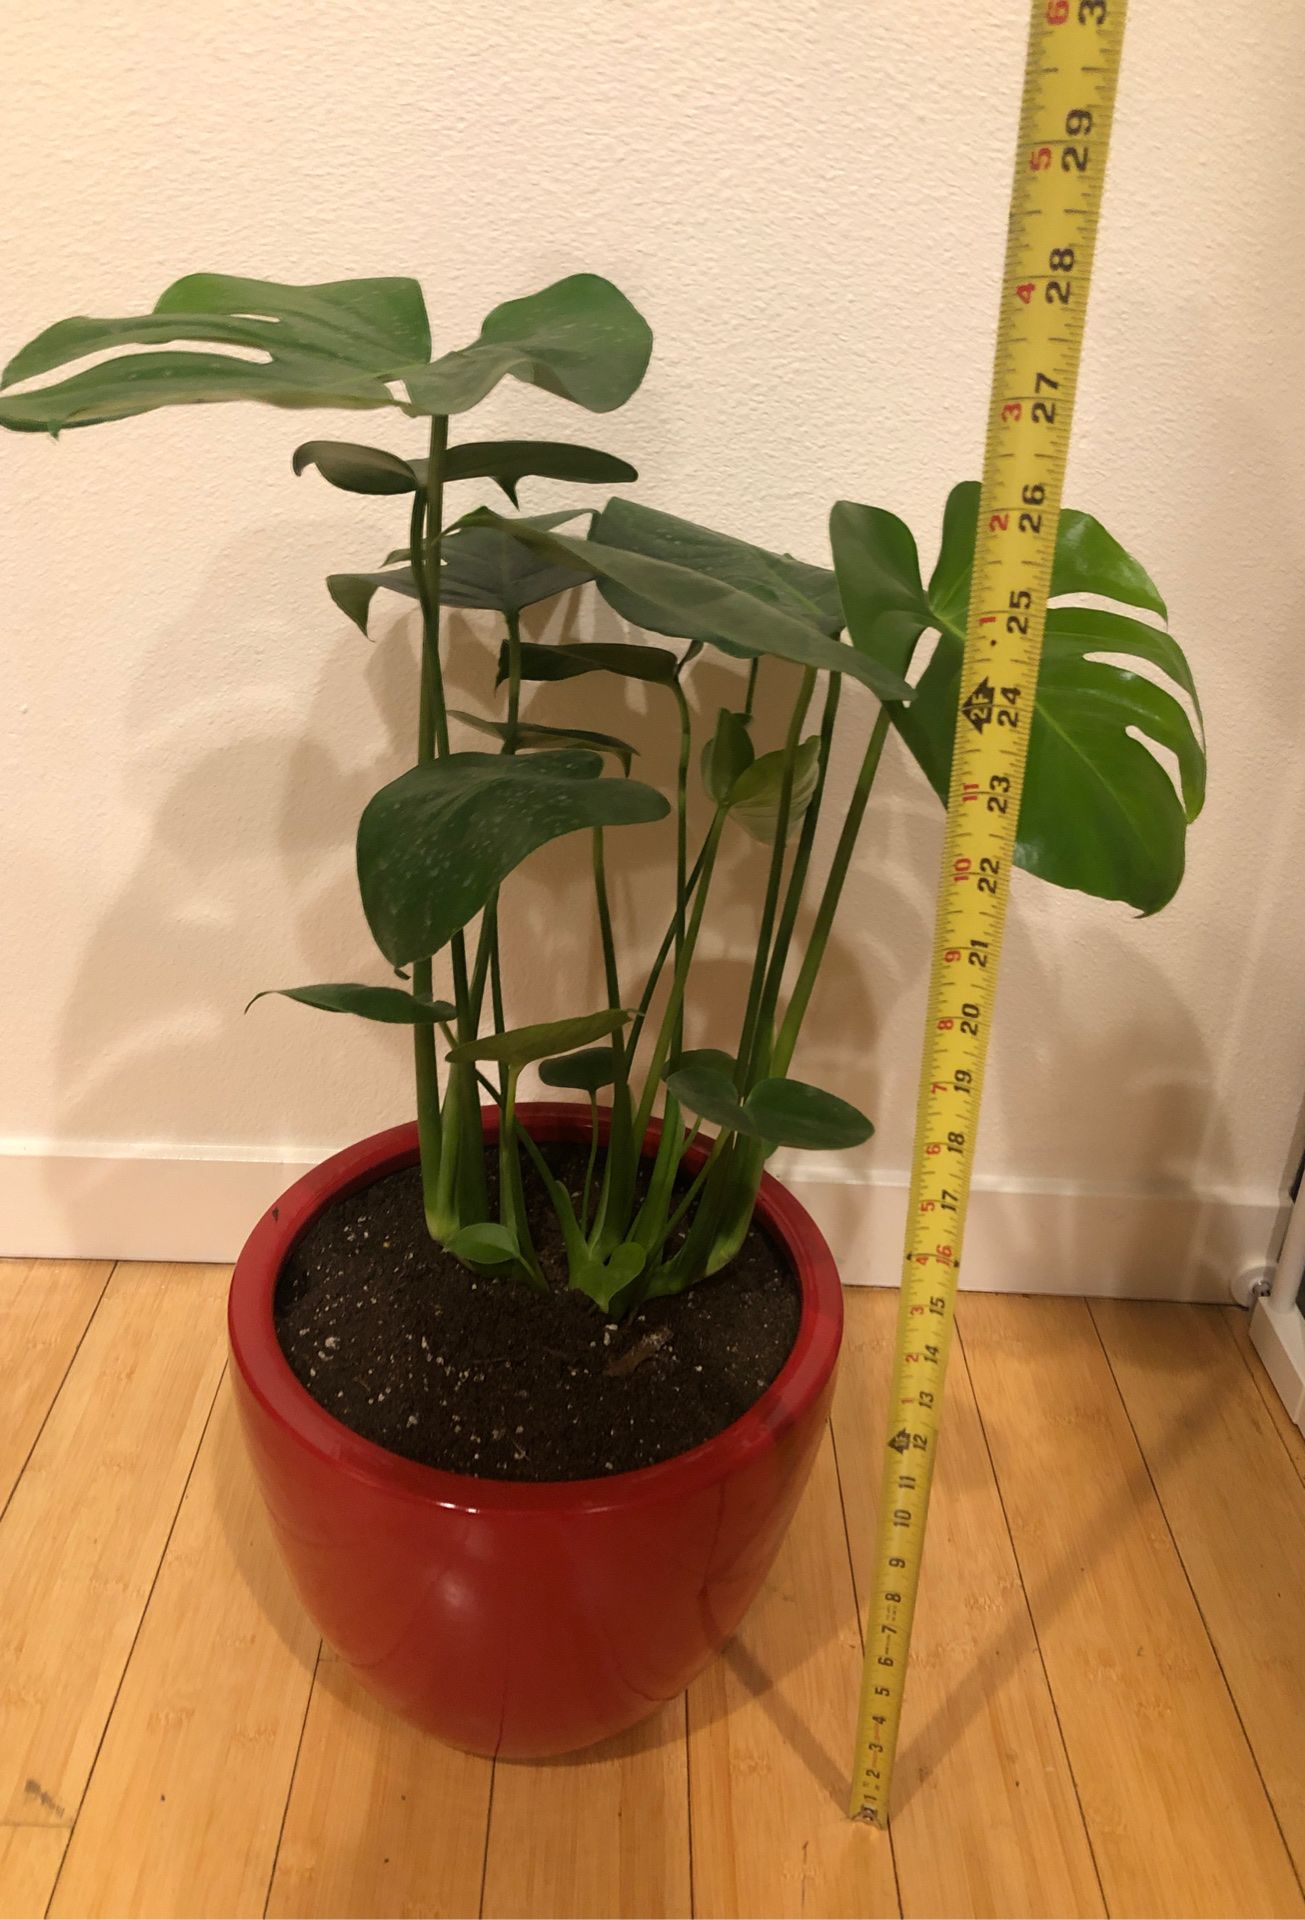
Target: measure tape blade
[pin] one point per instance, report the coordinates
(1070, 76)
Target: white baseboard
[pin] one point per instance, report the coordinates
(1278, 1336)
(170, 1203)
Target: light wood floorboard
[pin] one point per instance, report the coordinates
(1199, 1420)
(1106, 1705)
(183, 1810)
(981, 1752)
(84, 1532)
(1179, 1818)
(45, 1308)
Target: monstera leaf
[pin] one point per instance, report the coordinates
(333, 345)
(528, 736)
(697, 602)
(359, 469)
(1100, 811)
(777, 579)
(656, 665)
(435, 843)
(580, 339)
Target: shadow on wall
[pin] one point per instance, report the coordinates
(250, 808)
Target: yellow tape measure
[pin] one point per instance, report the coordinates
(1069, 94)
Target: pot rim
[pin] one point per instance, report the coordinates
(267, 1374)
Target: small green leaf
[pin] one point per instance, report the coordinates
(510, 461)
(521, 1046)
(808, 593)
(579, 338)
(736, 622)
(727, 754)
(603, 1280)
(528, 736)
(789, 1113)
(331, 345)
(755, 796)
(356, 469)
(703, 1082)
(485, 1243)
(654, 664)
(388, 1004)
(586, 1072)
(353, 593)
(484, 566)
(435, 843)
(878, 573)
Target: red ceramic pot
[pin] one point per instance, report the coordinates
(513, 1618)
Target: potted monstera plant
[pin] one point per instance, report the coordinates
(532, 1387)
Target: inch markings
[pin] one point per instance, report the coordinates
(1070, 77)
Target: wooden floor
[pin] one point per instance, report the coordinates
(1106, 1710)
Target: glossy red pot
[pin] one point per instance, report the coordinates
(514, 1618)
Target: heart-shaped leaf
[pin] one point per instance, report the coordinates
(522, 1046)
(434, 844)
(485, 567)
(727, 754)
(332, 345)
(808, 593)
(388, 1004)
(1100, 812)
(726, 617)
(603, 1280)
(654, 664)
(586, 1071)
(579, 338)
(511, 461)
(528, 736)
(356, 469)
(755, 796)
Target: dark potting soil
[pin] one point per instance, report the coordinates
(494, 1378)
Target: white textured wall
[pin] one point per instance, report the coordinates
(807, 199)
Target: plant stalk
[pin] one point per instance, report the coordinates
(818, 940)
(752, 1010)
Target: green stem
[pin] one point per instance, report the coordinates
(796, 883)
(691, 1194)
(818, 940)
(681, 836)
(675, 1000)
(751, 697)
(514, 680)
(655, 971)
(453, 1182)
(752, 1010)
(605, 922)
(590, 1164)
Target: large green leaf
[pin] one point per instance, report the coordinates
(435, 843)
(521, 1046)
(331, 345)
(654, 664)
(808, 593)
(783, 1113)
(579, 338)
(1100, 812)
(528, 736)
(391, 1005)
(737, 622)
(483, 565)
